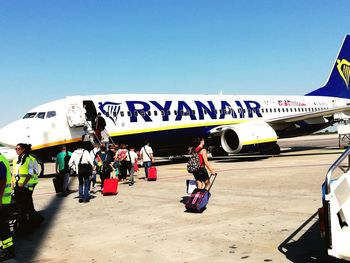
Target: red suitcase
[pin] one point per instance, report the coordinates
(110, 187)
(152, 174)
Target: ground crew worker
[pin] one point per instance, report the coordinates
(7, 250)
(26, 174)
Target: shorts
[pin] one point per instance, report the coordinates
(201, 175)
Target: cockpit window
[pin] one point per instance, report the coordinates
(50, 114)
(41, 115)
(29, 115)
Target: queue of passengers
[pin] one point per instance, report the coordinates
(114, 162)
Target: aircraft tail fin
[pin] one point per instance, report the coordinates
(338, 83)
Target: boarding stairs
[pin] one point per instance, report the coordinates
(335, 212)
(90, 135)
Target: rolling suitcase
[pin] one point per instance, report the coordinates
(58, 185)
(110, 187)
(152, 174)
(199, 198)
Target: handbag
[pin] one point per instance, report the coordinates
(84, 169)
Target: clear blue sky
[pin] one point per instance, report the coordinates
(53, 49)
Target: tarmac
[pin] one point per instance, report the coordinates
(262, 209)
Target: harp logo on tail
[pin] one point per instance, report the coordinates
(110, 110)
(343, 67)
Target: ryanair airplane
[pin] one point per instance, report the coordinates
(230, 123)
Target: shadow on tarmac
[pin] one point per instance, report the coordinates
(26, 247)
(305, 245)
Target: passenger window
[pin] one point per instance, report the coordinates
(115, 113)
(175, 112)
(122, 113)
(129, 113)
(169, 112)
(136, 113)
(41, 115)
(162, 112)
(50, 114)
(205, 111)
(155, 113)
(149, 113)
(193, 112)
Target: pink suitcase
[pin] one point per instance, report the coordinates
(110, 187)
(152, 174)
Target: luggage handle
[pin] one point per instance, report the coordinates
(212, 182)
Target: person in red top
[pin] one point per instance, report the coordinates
(201, 176)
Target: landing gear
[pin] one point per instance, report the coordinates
(274, 150)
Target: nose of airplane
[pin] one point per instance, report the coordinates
(14, 133)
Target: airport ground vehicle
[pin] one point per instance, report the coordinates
(334, 215)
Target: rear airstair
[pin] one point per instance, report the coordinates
(335, 212)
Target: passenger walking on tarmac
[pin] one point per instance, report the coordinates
(63, 169)
(132, 158)
(26, 172)
(201, 176)
(7, 250)
(93, 154)
(124, 164)
(111, 158)
(146, 154)
(84, 166)
(104, 164)
(100, 125)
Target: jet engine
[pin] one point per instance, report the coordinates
(246, 137)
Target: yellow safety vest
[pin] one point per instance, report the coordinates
(6, 197)
(23, 172)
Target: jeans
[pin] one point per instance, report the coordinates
(147, 165)
(84, 187)
(65, 178)
(131, 172)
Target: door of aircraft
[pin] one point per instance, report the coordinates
(75, 111)
(90, 112)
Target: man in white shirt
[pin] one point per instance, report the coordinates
(83, 163)
(146, 154)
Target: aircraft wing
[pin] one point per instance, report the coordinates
(309, 115)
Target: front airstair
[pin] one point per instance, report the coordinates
(335, 212)
(90, 135)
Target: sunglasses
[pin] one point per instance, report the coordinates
(18, 148)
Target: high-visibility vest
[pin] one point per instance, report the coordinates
(23, 172)
(6, 197)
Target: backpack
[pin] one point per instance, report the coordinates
(66, 161)
(193, 163)
(106, 168)
(122, 155)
